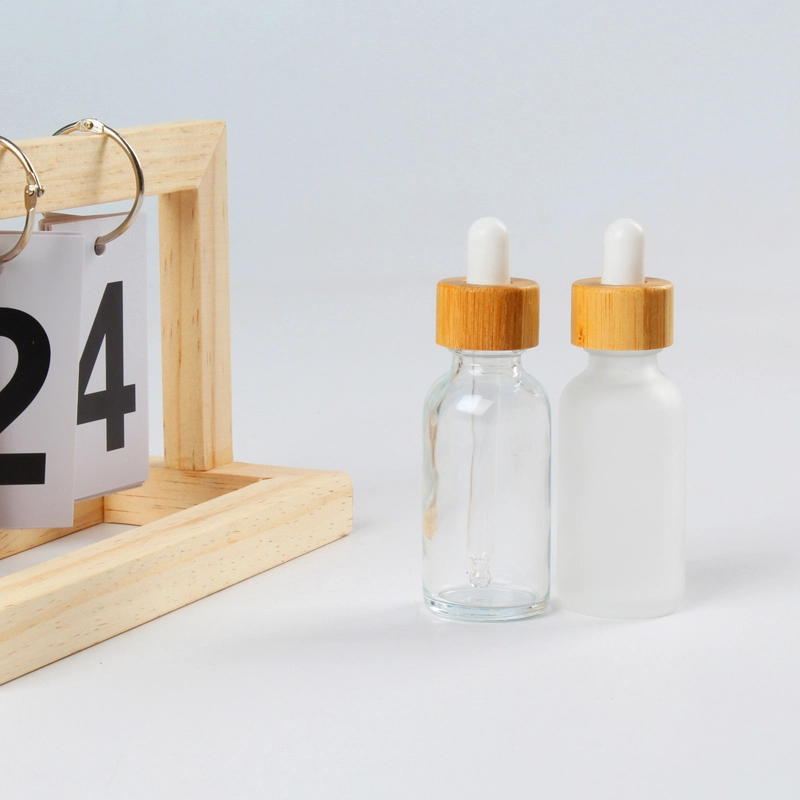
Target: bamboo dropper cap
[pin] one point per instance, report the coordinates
(487, 310)
(622, 310)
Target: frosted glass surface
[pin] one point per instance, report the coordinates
(621, 492)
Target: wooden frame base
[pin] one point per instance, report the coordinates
(200, 532)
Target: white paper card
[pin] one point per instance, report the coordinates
(112, 445)
(40, 300)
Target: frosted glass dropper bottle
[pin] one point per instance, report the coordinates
(622, 445)
(486, 440)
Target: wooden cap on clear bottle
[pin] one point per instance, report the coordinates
(622, 317)
(487, 317)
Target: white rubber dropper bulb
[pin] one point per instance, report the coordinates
(487, 253)
(623, 253)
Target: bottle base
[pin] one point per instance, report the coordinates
(621, 610)
(492, 604)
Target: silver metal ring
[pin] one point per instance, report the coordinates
(95, 126)
(33, 191)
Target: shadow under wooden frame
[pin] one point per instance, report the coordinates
(205, 521)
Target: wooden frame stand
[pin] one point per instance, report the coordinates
(206, 522)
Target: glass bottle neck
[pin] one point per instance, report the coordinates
(487, 362)
(622, 362)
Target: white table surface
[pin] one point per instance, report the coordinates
(326, 678)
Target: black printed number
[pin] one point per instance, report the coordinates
(116, 400)
(33, 364)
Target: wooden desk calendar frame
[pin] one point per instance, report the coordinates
(206, 522)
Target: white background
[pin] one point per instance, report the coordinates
(364, 138)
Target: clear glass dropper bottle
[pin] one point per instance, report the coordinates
(486, 470)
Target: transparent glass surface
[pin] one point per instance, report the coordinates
(621, 488)
(486, 490)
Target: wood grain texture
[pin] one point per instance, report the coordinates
(470, 317)
(170, 490)
(163, 493)
(71, 602)
(80, 170)
(636, 317)
(87, 513)
(195, 321)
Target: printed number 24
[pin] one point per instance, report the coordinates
(116, 400)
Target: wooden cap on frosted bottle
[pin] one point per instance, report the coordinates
(622, 310)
